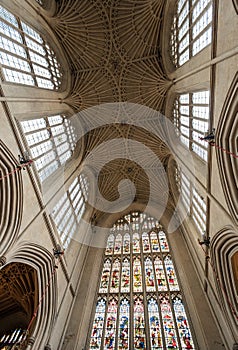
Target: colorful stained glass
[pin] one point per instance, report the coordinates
(160, 275)
(163, 242)
(136, 243)
(155, 328)
(96, 335)
(115, 278)
(171, 275)
(145, 243)
(149, 276)
(168, 324)
(154, 242)
(110, 244)
(125, 276)
(110, 332)
(118, 243)
(105, 277)
(144, 271)
(124, 325)
(182, 324)
(126, 244)
(137, 278)
(139, 324)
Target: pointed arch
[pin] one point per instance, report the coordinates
(227, 139)
(223, 249)
(11, 189)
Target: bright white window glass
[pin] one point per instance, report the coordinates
(50, 140)
(194, 203)
(191, 120)
(69, 210)
(191, 29)
(143, 284)
(23, 50)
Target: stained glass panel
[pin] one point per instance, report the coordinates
(168, 324)
(124, 325)
(149, 276)
(97, 330)
(105, 277)
(137, 277)
(139, 324)
(115, 279)
(145, 308)
(155, 327)
(171, 275)
(110, 330)
(125, 276)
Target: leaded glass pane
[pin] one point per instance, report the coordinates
(50, 141)
(23, 50)
(191, 30)
(96, 336)
(145, 307)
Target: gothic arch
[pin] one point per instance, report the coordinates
(19, 293)
(223, 247)
(11, 189)
(41, 260)
(227, 138)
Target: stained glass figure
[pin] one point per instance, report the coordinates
(125, 276)
(118, 244)
(171, 275)
(182, 324)
(105, 277)
(155, 327)
(154, 242)
(145, 242)
(110, 331)
(136, 243)
(139, 324)
(137, 278)
(168, 324)
(97, 330)
(115, 278)
(163, 242)
(110, 244)
(160, 275)
(124, 325)
(126, 243)
(149, 276)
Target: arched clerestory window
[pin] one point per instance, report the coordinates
(25, 57)
(68, 211)
(194, 203)
(191, 119)
(191, 29)
(139, 303)
(51, 141)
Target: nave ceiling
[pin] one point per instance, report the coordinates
(113, 47)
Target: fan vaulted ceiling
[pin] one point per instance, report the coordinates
(114, 54)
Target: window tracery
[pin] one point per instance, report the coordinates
(51, 141)
(191, 120)
(193, 202)
(68, 211)
(142, 309)
(25, 56)
(191, 29)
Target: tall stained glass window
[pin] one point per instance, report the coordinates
(25, 57)
(191, 119)
(191, 29)
(139, 304)
(51, 141)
